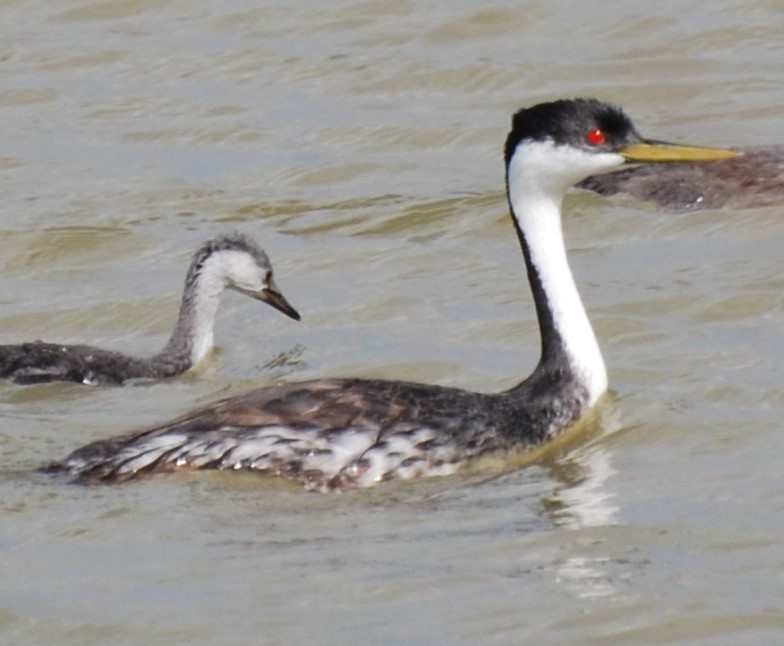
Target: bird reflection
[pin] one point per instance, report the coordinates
(585, 499)
(753, 179)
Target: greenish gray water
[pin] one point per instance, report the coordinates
(360, 143)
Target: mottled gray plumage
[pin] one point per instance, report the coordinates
(752, 180)
(339, 434)
(39, 362)
(231, 261)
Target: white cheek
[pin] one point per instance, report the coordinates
(251, 281)
(544, 166)
(240, 270)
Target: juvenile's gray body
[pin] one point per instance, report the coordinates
(231, 261)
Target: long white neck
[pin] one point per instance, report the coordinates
(565, 328)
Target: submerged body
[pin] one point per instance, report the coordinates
(41, 362)
(754, 179)
(230, 261)
(337, 434)
(340, 434)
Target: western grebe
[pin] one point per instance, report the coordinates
(753, 179)
(339, 434)
(231, 261)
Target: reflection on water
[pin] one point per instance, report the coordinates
(585, 497)
(585, 501)
(585, 576)
(589, 501)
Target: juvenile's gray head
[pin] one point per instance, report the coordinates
(234, 261)
(230, 261)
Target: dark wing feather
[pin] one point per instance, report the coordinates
(326, 434)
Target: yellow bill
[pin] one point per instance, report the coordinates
(655, 151)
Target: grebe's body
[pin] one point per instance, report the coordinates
(227, 262)
(339, 434)
(753, 179)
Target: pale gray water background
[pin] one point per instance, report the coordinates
(361, 143)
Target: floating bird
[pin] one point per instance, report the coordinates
(231, 261)
(753, 179)
(342, 434)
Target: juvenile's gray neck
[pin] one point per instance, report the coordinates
(192, 337)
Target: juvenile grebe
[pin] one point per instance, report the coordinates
(339, 434)
(753, 179)
(231, 261)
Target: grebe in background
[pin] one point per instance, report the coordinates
(340, 434)
(753, 179)
(231, 261)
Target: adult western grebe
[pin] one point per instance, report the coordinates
(338, 434)
(227, 262)
(753, 179)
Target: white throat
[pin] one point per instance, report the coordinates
(537, 184)
(206, 298)
(203, 325)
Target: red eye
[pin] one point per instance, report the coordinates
(595, 137)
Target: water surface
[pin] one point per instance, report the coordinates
(360, 142)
